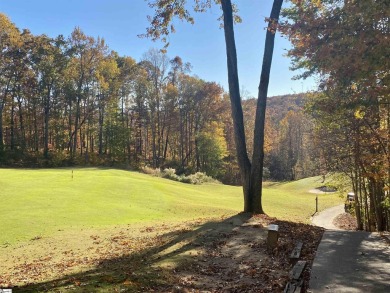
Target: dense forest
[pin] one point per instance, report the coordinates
(72, 101)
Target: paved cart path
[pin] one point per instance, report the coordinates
(349, 261)
(326, 217)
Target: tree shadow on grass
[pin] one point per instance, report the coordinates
(142, 271)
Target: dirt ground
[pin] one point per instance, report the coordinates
(240, 261)
(206, 255)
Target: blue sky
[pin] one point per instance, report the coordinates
(120, 21)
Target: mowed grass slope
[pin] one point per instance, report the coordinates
(38, 203)
(292, 201)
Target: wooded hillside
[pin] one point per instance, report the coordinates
(289, 149)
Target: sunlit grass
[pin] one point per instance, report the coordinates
(37, 203)
(292, 201)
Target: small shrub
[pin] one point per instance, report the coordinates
(185, 179)
(151, 171)
(266, 174)
(170, 173)
(200, 178)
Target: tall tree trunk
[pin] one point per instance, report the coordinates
(12, 124)
(70, 144)
(1, 128)
(2, 105)
(197, 155)
(258, 141)
(236, 107)
(76, 126)
(181, 126)
(129, 137)
(154, 134)
(166, 144)
(22, 137)
(101, 122)
(251, 174)
(35, 128)
(46, 123)
(359, 204)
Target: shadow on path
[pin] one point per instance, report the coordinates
(351, 261)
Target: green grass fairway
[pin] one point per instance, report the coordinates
(39, 203)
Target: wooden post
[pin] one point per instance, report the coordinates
(317, 204)
(273, 235)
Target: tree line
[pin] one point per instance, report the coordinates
(66, 101)
(72, 99)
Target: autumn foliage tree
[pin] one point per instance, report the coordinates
(347, 44)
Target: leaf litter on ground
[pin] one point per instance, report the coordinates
(208, 255)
